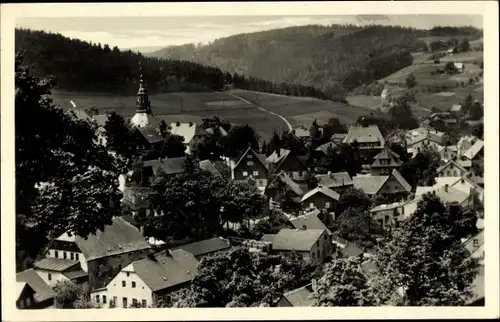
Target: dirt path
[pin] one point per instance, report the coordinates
(290, 128)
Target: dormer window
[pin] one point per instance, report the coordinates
(250, 163)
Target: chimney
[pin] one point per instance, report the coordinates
(446, 187)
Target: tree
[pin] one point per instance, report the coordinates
(421, 170)
(57, 159)
(163, 128)
(238, 139)
(424, 259)
(333, 126)
(464, 46)
(410, 81)
(425, 48)
(271, 225)
(274, 144)
(353, 197)
(357, 225)
(476, 111)
(119, 136)
(450, 68)
(343, 283)
(71, 296)
(172, 147)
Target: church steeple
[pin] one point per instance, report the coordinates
(143, 103)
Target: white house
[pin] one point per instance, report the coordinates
(143, 282)
(451, 169)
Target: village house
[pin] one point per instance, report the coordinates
(32, 291)
(205, 247)
(300, 297)
(314, 245)
(282, 187)
(321, 155)
(147, 138)
(475, 152)
(475, 246)
(385, 162)
(145, 282)
(389, 215)
(168, 166)
(457, 110)
(338, 138)
(451, 169)
(250, 165)
(312, 220)
(428, 138)
(338, 181)
(388, 185)
(465, 143)
(191, 133)
(460, 67)
(448, 153)
(369, 139)
(103, 254)
(321, 198)
(283, 160)
(52, 269)
(463, 184)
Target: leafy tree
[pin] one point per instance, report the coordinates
(476, 111)
(353, 197)
(172, 147)
(424, 259)
(410, 81)
(425, 48)
(208, 147)
(343, 283)
(350, 158)
(464, 46)
(163, 128)
(421, 170)
(333, 126)
(356, 225)
(450, 68)
(71, 296)
(57, 159)
(119, 136)
(271, 225)
(274, 144)
(238, 139)
(402, 115)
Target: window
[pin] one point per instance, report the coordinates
(76, 257)
(115, 300)
(249, 162)
(49, 277)
(134, 302)
(64, 255)
(381, 222)
(256, 173)
(128, 274)
(327, 204)
(104, 299)
(144, 303)
(387, 219)
(56, 254)
(476, 243)
(72, 256)
(249, 156)
(245, 174)
(300, 173)
(124, 284)
(97, 298)
(311, 205)
(133, 284)
(124, 302)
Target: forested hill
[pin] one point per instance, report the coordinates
(331, 58)
(83, 66)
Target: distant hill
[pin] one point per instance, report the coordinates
(334, 59)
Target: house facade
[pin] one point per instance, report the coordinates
(42, 295)
(320, 198)
(388, 215)
(448, 153)
(337, 181)
(25, 295)
(250, 165)
(451, 169)
(393, 184)
(385, 162)
(191, 132)
(369, 140)
(283, 160)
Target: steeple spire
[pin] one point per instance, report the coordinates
(143, 104)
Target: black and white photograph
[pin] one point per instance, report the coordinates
(272, 160)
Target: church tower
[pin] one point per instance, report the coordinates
(143, 116)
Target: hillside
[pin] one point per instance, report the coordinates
(334, 58)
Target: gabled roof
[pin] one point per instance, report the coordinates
(187, 130)
(369, 184)
(206, 246)
(143, 119)
(364, 134)
(166, 270)
(207, 165)
(444, 166)
(300, 296)
(448, 194)
(150, 134)
(42, 290)
(285, 178)
(259, 157)
(55, 264)
(472, 152)
(386, 154)
(276, 159)
(296, 239)
(456, 108)
(325, 147)
(118, 238)
(401, 180)
(333, 180)
(385, 207)
(323, 190)
(309, 221)
(168, 165)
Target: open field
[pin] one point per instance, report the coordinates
(368, 101)
(304, 110)
(470, 56)
(444, 102)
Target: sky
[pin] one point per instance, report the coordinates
(150, 33)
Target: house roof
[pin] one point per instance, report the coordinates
(150, 134)
(386, 154)
(472, 152)
(278, 159)
(464, 163)
(364, 134)
(300, 296)
(456, 108)
(444, 166)
(310, 221)
(168, 165)
(100, 119)
(118, 238)
(401, 180)
(55, 264)
(452, 148)
(167, 270)
(285, 178)
(207, 165)
(75, 274)
(205, 246)
(267, 237)
(301, 132)
(332, 180)
(325, 147)
(259, 157)
(144, 119)
(449, 194)
(459, 65)
(323, 190)
(390, 206)
(42, 290)
(369, 184)
(187, 130)
(296, 239)
(338, 136)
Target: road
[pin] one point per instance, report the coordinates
(290, 128)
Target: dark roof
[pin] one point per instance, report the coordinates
(310, 221)
(296, 239)
(118, 238)
(150, 134)
(386, 154)
(168, 165)
(209, 166)
(332, 194)
(364, 134)
(300, 296)
(167, 271)
(332, 180)
(75, 274)
(324, 147)
(42, 290)
(260, 157)
(285, 179)
(55, 264)
(205, 246)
